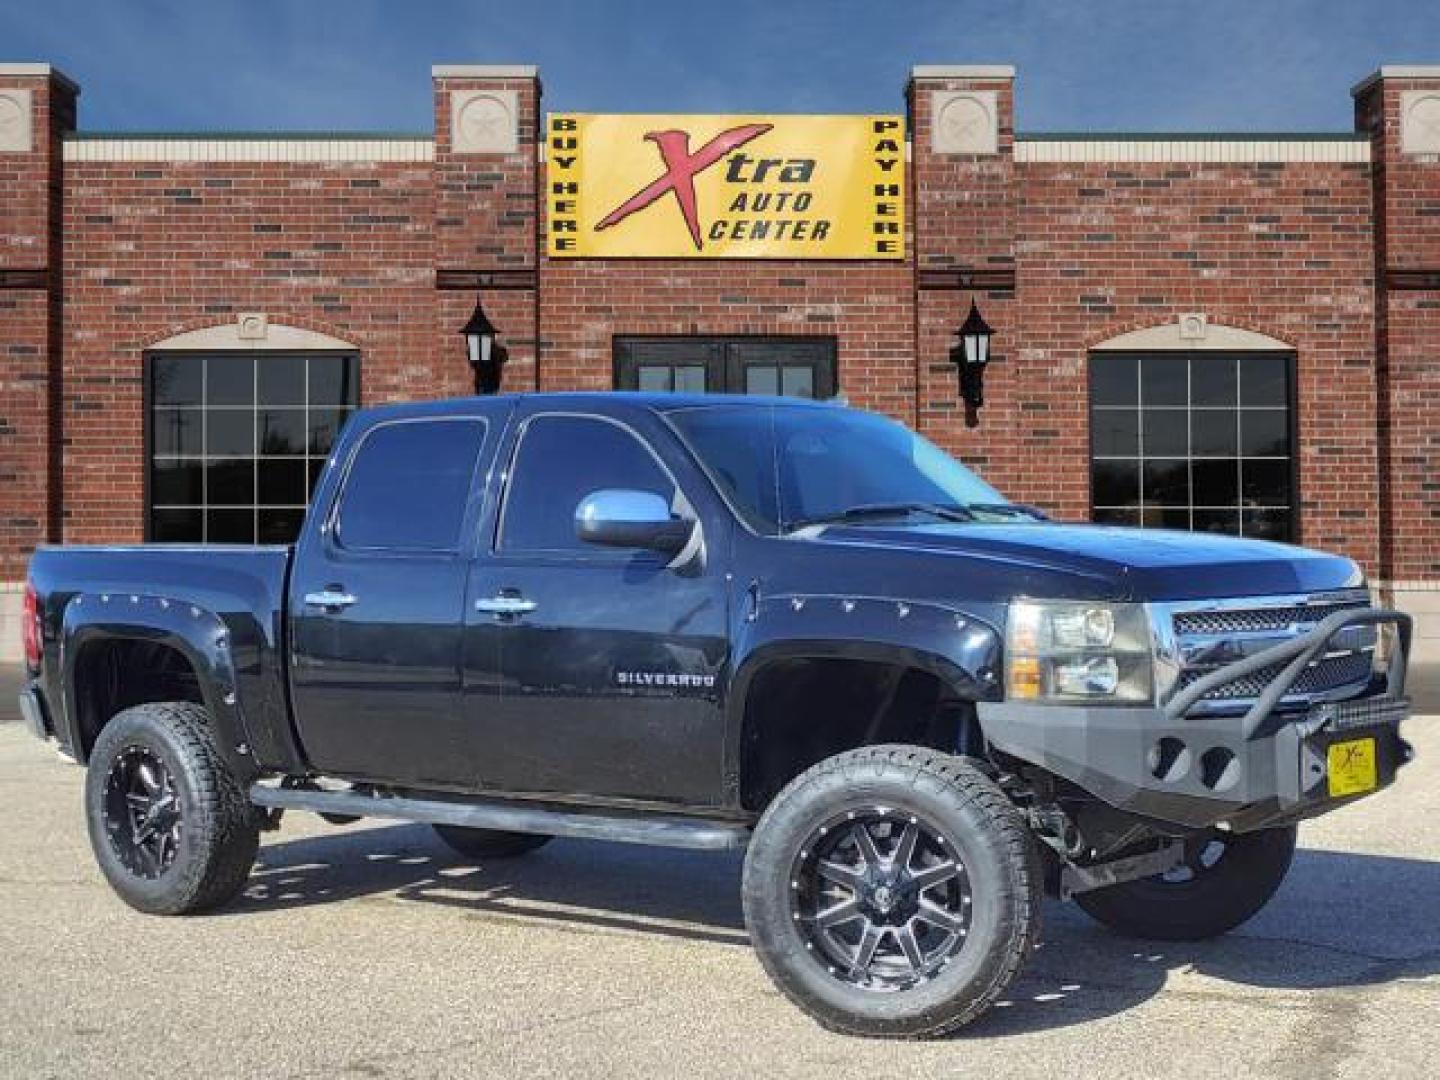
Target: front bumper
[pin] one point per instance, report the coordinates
(1264, 768)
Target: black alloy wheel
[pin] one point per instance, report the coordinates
(882, 897)
(142, 812)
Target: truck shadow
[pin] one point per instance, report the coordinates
(1341, 920)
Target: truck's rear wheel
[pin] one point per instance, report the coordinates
(171, 829)
(1225, 879)
(892, 890)
(489, 843)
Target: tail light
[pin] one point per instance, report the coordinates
(30, 626)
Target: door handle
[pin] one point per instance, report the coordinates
(506, 605)
(329, 598)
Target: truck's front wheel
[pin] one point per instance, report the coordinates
(892, 890)
(171, 828)
(1224, 880)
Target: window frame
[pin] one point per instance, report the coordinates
(727, 368)
(589, 553)
(331, 525)
(1290, 357)
(147, 406)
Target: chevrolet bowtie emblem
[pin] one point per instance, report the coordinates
(681, 168)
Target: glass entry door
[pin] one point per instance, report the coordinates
(797, 367)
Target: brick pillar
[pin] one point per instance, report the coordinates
(1400, 108)
(964, 212)
(37, 106)
(487, 123)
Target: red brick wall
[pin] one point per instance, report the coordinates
(1408, 257)
(30, 255)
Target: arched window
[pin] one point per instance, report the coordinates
(1194, 435)
(237, 431)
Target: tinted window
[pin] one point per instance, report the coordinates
(236, 441)
(561, 460)
(1193, 440)
(784, 466)
(409, 484)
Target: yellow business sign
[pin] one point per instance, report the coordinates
(728, 187)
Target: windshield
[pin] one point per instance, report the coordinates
(784, 467)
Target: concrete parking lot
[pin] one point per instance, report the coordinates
(371, 951)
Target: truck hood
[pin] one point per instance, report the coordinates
(1104, 562)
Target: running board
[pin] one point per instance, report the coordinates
(656, 830)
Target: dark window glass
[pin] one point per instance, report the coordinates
(230, 526)
(1212, 433)
(279, 524)
(1217, 482)
(178, 431)
(409, 484)
(1116, 432)
(283, 482)
(1217, 521)
(230, 433)
(1111, 515)
(1208, 435)
(175, 525)
(1264, 433)
(1265, 483)
(280, 431)
(177, 381)
(281, 380)
(1269, 524)
(237, 441)
(789, 464)
(1167, 480)
(178, 483)
(1117, 483)
(1264, 380)
(561, 460)
(1164, 433)
(1212, 381)
(1115, 380)
(230, 482)
(1163, 381)
(229, 380)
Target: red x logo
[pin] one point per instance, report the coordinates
(681, 168)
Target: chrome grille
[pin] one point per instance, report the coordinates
(1328, 674)
(1211, 636)
(1250, 620)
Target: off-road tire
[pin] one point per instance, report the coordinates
(219, 830)
(1212, 902)
(489, 843)
(978, 822)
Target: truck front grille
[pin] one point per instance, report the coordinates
(1209, 637)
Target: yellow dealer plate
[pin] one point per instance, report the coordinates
(1351, 767)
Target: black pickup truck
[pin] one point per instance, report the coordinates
(724, 623)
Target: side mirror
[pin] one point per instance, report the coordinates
(618, 517)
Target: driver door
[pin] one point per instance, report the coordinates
(609, 662)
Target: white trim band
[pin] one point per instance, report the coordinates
(963, 71)
(1396, 71)
(1226, 151)
(39, 71)
(484, 71)
(202, 149)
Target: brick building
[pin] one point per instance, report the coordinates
(1232, 332)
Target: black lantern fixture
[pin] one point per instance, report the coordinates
(970, 356)
(486, 355)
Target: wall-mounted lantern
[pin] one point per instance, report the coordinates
(970, 355)
(486, 355)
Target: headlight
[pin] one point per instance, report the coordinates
(1076, 652)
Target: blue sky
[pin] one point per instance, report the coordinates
(1255, 65)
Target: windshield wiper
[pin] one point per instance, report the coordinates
(1020, 510)
(880, 510)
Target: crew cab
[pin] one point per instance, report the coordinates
(723, 623)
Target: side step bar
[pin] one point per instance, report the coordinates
(657, 830)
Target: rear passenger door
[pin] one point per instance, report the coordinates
(377, 600)
(610, 662)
